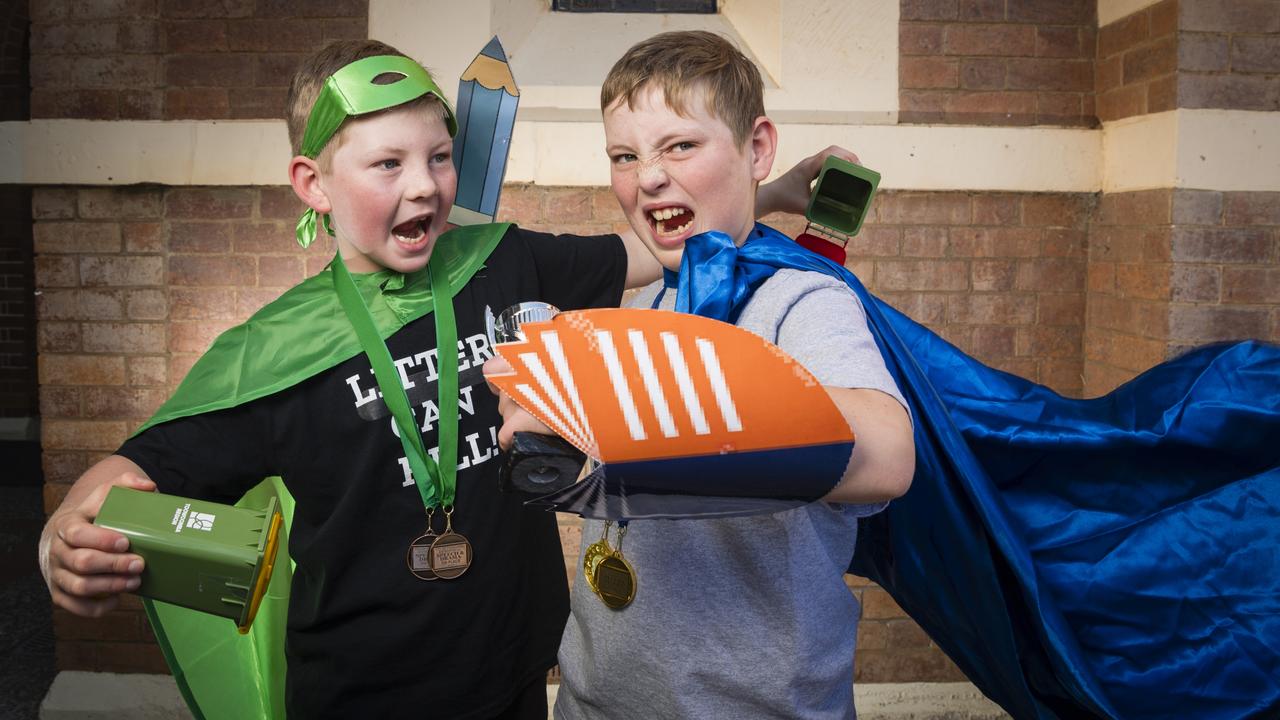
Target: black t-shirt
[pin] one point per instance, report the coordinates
(365, 637)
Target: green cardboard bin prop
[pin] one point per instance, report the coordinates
(202, 555)
(839, 203)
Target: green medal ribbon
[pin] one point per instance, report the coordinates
(437, 482)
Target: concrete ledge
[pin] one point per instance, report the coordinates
(109, 696)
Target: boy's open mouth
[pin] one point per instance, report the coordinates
(670, 221)
(412, 231)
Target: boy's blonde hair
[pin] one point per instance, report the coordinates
(678, 63)
(311, 76)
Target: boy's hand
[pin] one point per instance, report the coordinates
(87, 567)
(514, 418)
(790, 193)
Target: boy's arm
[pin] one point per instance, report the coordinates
(884, 456)
(87, 567)
(788, 194)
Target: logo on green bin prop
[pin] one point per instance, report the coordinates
(183, 517)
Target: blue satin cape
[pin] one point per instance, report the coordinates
(1116, 557)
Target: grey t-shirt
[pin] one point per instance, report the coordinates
(740, 617)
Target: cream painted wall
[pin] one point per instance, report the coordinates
(1111, 10)
(1202, 149)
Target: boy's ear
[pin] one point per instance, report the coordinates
(304, 176)
(763, 145)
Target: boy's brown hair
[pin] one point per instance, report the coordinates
(679, 62)
(311, 76)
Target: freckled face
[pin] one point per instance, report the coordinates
(391, 184)
(678, 176)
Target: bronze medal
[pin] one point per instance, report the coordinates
(615, 581)
(450, 555)
(419, 556)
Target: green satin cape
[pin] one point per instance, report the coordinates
(221, 673)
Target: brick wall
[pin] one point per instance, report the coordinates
(992, 62)
(174, 59)
(1137, 63)
(1169, 270)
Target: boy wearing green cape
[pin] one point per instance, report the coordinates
(379, 623)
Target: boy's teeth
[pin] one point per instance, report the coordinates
(409, 232)
(666, 213)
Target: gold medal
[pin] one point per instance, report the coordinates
(591, 557)
(419, 555)
(450, 554)
(615, 579)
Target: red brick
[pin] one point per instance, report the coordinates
(908, 208)
(146, 371)
(280, 203)
(1059, 42)
(997, 210)
(995, 242)
(875, 242)
(201, 303)
(1108, 73)
(60, 468)
(121, 271)
(123, 627)
(1200, 323)
(1257, 285)
(928, 10)
(566, 205)
(1051, 74)
(139, 36)
(1101, 379)
(921, 307)
(276, 69)
(1197, 207)
(265, 238)
(125, 403)
(146, 305)
(1049, 342)
(211, 271)
(1242, 16)
(1064, 375)
(1060, 109)
(992, 341)
(922, 275)
(1051, 12)
(142, 237)
(74, 38)
(101, 305)
(210, 9)
(204, 203)
(605, 208)
(1124, 34)
(52, 271)
(927, 72)
(124, 337)
(872, 636)
(112, 71)
(1252, 208)
(76, 103)
(53, 203)
(209, 70)
(199, 237)
(58, 337)
(1063, 242)
(1054, 210)
(59, 402)
(919, 39)
(1162, 94)
(114, 9)
(982, 73)
(180, 365)
(1003, 40)
(906, 634)
(194, 337)
(1164, 18)
(1061, 309)
(1229, 92)
(254, 103)
(76, 237)
(992, 275)
(271, 35)
(924, 242)
(141, 105)
(993, 309)
(981, 10)
(110, 657)
(1051, 274)
(921, 107)
(1151, 60)
(279, 271)
(1136, 353)
(1222, 245)
(196, 104)
(356, 28)
(58, 305)
(898, 666)
(522, 203)
(82, 434)
(993, 108)
(1143, 207)
(1195, 283)
(1148, 281)
(250, 300)
(1203, 52)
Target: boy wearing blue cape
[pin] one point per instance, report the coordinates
(371, 631)
(741, 617)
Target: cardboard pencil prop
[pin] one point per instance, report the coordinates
(684, 416)
(841, 198)
(487, 101)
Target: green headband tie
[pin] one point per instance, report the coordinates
(352, 91)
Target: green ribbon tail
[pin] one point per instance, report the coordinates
(305, 232)
(447, 387)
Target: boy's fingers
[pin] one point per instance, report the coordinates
(84, 534)
(85, 607)
(93, 587)
(86, 561)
